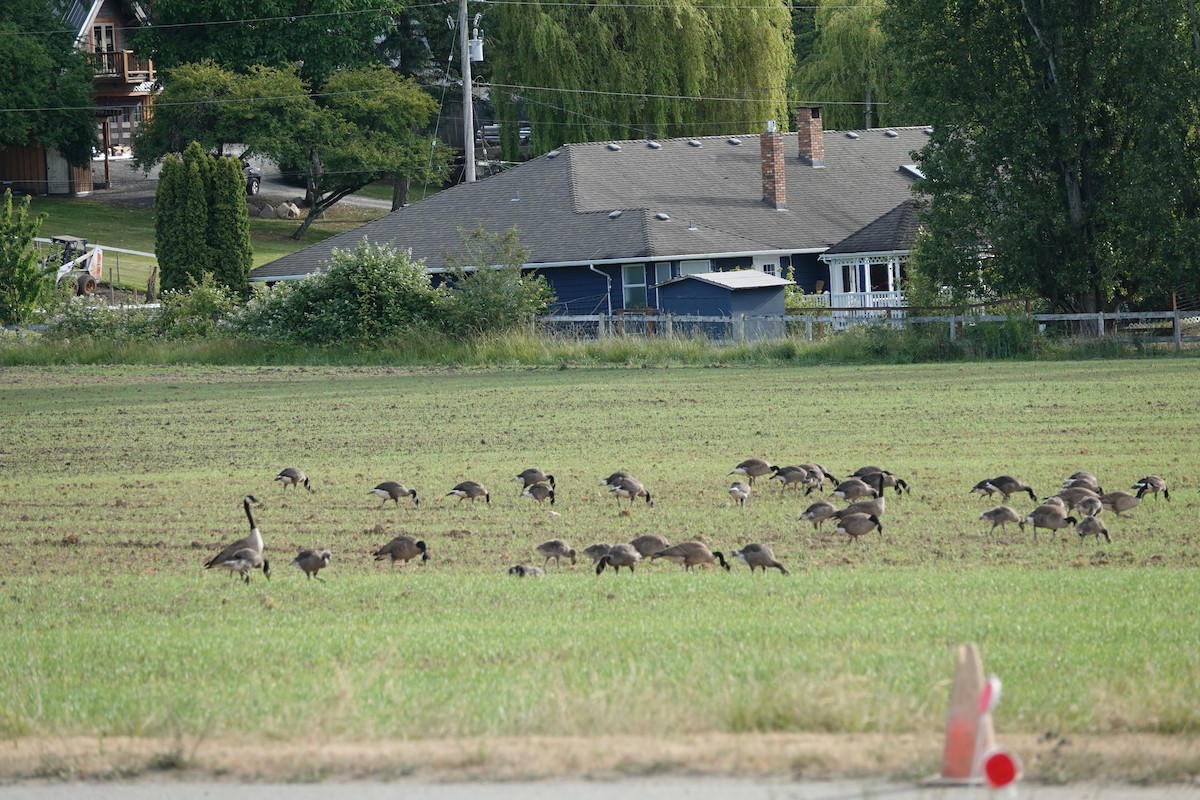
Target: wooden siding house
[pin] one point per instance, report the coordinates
(123, 88)
(609, 224)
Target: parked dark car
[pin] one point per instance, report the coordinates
(253, 179)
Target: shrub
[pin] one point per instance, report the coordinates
(487, 292)
(197, 312)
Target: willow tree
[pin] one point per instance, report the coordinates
(613, 70)
(850, 68)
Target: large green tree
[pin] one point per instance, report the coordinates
(614, 70)
(322, 35)
(850, 68)
(1065, 145)
(46, 96)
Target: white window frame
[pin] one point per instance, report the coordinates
(627, 284)
(695, 266)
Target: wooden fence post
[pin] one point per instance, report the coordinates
(1177, 330)
(953, 325)
(808, 328)
(669, 326)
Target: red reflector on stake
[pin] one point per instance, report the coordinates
(1001, 768)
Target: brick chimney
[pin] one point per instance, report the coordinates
(811, 136)
(771, 145)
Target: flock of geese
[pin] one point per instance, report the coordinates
(863, 491)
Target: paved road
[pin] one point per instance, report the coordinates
(648, 789)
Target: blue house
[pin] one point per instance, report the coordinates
(752, 301)
(609, 223)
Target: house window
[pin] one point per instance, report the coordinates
(770, 269)
(633, 283)
(693, 267)
(104, 40)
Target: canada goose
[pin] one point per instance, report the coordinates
(1055, 500)
(856, 525)
(1120, 501)
(390, 490)
(759, 555)
(818, 512)
(1050, 517)
(1092, 526)
(1082, 475)
(471, 490)
(246, 560)
(882, 479)
(556, 549)
(739, 491)
(876, 506)
(597, 551)
(854, 488)
(690, 554)
(252, 542)
(534, 476)
(649, 544)
(1089, 506)
(312, 561)
(1005, 485)
(797, 476)
(615, 478)
(1000, 515)
(291, 476)
(402, 548)
(1152, 484)
(632, 489)
(816, 470)
(1072, 497)
(526, 571)
(539, 492)
(754, 468)
(621, 555)
(1083, 483)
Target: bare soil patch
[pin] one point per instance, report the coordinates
(1047, 758)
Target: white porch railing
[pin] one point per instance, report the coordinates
(855, 300)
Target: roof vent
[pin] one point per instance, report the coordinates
(694, 142)
(692, 225)
(927, 130)
(733, 140)
(660, 215)
(891, 134)
(613, 146)
(516, 197)
(654, 145)
(851, 135)
(552, 154)
(614, 214)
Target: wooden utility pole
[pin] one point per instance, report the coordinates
(468, 104)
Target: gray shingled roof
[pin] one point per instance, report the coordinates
(894, 231)
(733, 279)
(561, 205)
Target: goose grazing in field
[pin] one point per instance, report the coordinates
(539, 492)
(292, 476)
(1120, 501)
(876, 506)
(312, 561)
(391, 490)
(1152, 484)
(253, 542)
(691, 554)
(856, 525)
(854, 488)
(759, 556)
(1089, 506)
(739, 491)
(1092, 526)
(1050, 517)
(621, 555)
(526, 571)
(1082, 475)
(1083, 483)
(632, 489)
(797, 476)
(818, 512)
(403, 549)
(1075, 495)
(816, 471)
(881, 479)
(1005, 485)
(649, 544)
(597, 551)
(470, 490)
(556, 549)
(754, 468)
(245, 561)
(1000, 516)
(1055, 500)
(615, 478)
(534, 476)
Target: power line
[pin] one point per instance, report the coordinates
(604, 93)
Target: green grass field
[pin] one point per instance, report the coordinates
(117, 483)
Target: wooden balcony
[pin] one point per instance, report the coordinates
(122, 66)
